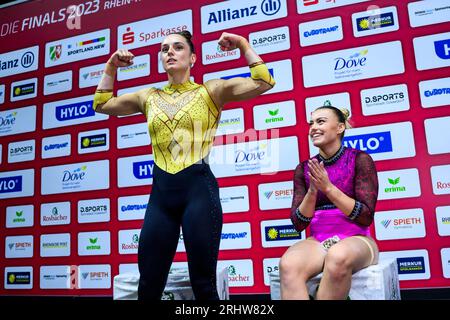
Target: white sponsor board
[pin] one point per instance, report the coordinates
(15, 184)
(438, 140)
(95, 210)
(388, 141)
(435, 93)
(270, 40)
(82, 47)
(445, 258)
(58, 82)
(19, 61)
(94, 243)
(55, 245)
(276, 195)
(20, 216)
(135, 171)
(375, 21)
(24, 89)
(70, 112)
(339, 100)
(128, 268)
(18, 278)
(255, 157)
(306, 6)
(55, 213)
(2, 93)
(54, 277)
(75, 177)
(132, 207)
(396, 184)
(440, 177)
(240, 272)
(235, 13)
(56, 146)
(424, 13)
(274, 115)
(320, 31)
(129, 241)
(21, 151)
(154, 30)
(432, 51)
(411, 264)
(234, 199)
(236, 236)
(385, 99)
(140, 68)
(270, 265)
(94, 276)
(281, 71)
(353, 64)
(279, 233)
(18, 247)
(133, 135)
(212, 53)
(443, 220)
(399, 224)
(15, 121)
(231, 122)
(90, 76)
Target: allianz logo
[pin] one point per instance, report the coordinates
(268, 8)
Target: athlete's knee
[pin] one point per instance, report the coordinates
(338, 263)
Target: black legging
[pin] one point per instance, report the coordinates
(189, 198)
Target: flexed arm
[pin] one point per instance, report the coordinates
(237, 89)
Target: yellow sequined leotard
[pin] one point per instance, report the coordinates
(182, 120)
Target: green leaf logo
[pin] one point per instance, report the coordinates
(394, 181)
(93, 240)
(19, 213)
(274, 112)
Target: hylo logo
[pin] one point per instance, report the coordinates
(442, 48)
(75, 111)
(143, 169)
(11, 184)
(370, 143)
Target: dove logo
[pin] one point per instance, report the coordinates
(356, 60)
(76, 175)
(11, 184)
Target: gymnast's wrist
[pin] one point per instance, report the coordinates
(110, 69)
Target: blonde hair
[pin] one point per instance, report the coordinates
(343, 114)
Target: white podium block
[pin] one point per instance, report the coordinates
(178, 286)
(376, 282)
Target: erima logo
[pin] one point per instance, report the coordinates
(268, 8)
(75, 111)
(442, 48)
(11, 184)
(371, 143)
(143, 169)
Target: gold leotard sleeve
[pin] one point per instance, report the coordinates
(259, 71)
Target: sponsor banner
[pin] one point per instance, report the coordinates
(133, 135)
(388, 141)
(94, 276)
(15, 121)
(82, 47)
(432, 51)
(75, 177)
(236, 236)
(70, 112)
(55, 277)
(129, 241)
(128, 268)
(279, 233)
(16, 184)
(306, 6)
(437, 139)
(18, 278)
(90, 76)
(277, 195)
(2, 93)
(270, 40)
(55, 213)
(234, 199)
(240, 272)
(20, 216)
(340, 100)
(411, 264)
(397, 184)
(55, 245)
(24, 89)
(140, 68)
(443, 220)
(231, 122)
(435, 93)
(445, 258)
(270, 265)
(19, 247)
(19, 61)
(56, 146)
(94, 210)
(281, 71)
(21, 151)
(132, 207)
(385, 99)
(320, 31)
(94, 243)
(93, 141)
(375, 21)
(424, 13)
(58, 82)
(212, 53)
(274, 115)
(399, 224)
(254, 157)
(153, 31)
(160, 65)
(232, 14)
(135, 171)
(353, 64)
(440, 177)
